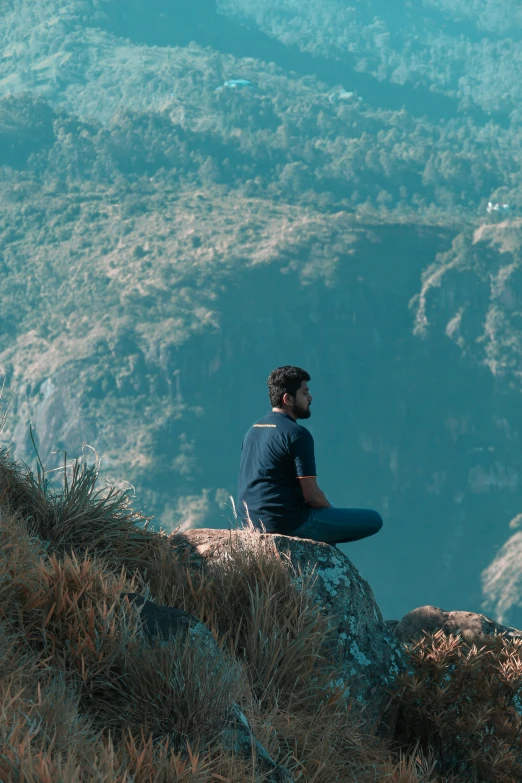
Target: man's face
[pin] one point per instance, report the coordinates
(300, 404)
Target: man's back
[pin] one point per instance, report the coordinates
(277, 471)
(275, 452)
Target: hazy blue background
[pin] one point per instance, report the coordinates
(166, 240)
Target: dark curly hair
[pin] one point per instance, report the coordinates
(284, 379)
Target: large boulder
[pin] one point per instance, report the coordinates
(366, 651)
(160, 623)
(472, 627)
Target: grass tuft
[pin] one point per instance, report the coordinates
(461, 703)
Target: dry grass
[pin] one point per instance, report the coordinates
(459, 703)
(84, 696)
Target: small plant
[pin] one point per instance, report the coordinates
(460, 703)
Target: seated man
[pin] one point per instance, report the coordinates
(278, 488)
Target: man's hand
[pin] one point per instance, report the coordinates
(314, 496)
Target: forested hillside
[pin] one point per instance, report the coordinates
(166, 240)
(466, 49)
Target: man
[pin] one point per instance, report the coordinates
(278, 488)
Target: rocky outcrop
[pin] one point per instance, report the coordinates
(162, 622)
(363, 647)
(471, 626)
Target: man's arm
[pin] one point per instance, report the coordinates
(312, 494)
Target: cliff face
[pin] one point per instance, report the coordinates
(407, 420)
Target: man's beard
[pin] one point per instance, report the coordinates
(301, 413)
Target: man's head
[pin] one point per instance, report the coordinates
(288, 391)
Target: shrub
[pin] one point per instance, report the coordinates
(459, 702)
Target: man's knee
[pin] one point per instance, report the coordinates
(377, 521)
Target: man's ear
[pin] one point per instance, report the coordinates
(286, 398)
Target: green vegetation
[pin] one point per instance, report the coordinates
(463, 49)
(162, 117)
(287, 143)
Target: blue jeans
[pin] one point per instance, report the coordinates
(339, 525)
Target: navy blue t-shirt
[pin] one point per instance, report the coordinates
(275, 451)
